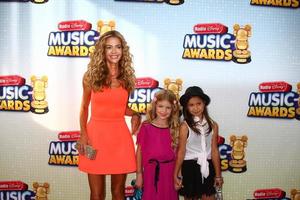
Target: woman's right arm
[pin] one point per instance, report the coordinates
(183, 133)
(84, 113)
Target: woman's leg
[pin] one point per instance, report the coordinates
(97, 186)
(118, 186)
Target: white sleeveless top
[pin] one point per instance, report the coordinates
(198, 146)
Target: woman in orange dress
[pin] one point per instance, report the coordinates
(107, 84)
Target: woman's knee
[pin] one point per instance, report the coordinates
(97, 196)
(118, 186)
(118, 191)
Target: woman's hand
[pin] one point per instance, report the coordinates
(139, 180)
(83, 140)
(135, 123)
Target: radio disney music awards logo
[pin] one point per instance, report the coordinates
(18, 190)
(212, 41)
(64, 152)
(24, 1)
(141, 97)
(16, 95)
(271, 193)
(275, 100)
(276, 3)
(233, 155)
(76, 38)
(171, 2)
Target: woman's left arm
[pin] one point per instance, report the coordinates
(135, 119)
(216, 156)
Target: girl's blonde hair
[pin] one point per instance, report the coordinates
(174, 116)
(97, 73)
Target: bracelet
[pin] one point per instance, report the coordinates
(219, 177)
(179, 177)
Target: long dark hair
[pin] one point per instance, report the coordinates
(188, 117)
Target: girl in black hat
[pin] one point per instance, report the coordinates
(198, 170)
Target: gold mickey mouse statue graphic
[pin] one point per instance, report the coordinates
(103, 27)
(238, 144)
(41, 190)
(241, 54)
(39, 104)
(174, 86)
(174, 2)
(39, 1)
(295, 194)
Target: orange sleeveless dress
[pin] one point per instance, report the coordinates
(108, 133)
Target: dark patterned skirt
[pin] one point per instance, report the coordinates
(192, 180)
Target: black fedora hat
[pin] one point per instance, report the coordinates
(192, 92)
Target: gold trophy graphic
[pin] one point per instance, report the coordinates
(241, 54)
(103, 27)
(39, 1)
(41, 190)
(295, 194)
(39, 104)
(174, 2)
(238, 144)
(174, 85)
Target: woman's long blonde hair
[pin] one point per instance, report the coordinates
(97, 73)
(174, 116)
